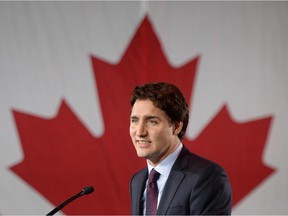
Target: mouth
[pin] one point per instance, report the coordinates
(143, 143)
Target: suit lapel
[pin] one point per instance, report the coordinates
(138, 191)
(175, 178)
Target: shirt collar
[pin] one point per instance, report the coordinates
(165, 165)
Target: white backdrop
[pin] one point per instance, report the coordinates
(44, 57)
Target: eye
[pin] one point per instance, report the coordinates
(152, 122)
(133, 120)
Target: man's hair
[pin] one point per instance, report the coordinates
(166, 97)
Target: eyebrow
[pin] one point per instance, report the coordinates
(146, 117)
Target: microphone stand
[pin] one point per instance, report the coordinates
(86, 190)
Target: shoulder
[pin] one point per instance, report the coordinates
(194, 164)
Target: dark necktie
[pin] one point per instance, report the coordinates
(152, 193)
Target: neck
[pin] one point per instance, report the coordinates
(156, 160)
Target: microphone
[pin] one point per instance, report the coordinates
(85, 191)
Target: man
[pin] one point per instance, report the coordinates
(185, 184)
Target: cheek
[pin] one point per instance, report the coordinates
(162, 135)
(131, 131)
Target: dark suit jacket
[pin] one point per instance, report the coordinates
(195, 186)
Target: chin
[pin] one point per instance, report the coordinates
(142, 154)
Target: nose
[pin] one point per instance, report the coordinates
(141, 130)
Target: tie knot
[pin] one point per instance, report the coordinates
(153, 176)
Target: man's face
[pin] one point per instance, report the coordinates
(153, 135)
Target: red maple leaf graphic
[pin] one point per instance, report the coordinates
(61, 156)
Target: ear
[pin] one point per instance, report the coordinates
(177, 128)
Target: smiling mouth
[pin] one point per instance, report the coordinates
(143, 142)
